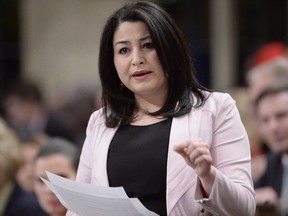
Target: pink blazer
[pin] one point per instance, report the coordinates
(217, 123)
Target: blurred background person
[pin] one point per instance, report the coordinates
(73, 106)
(29, 150)
(272, 117)
(265, 73)
(58, 156)
(14, 200)
(27, 113)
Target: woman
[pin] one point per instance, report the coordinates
(177, 147)
(58, 156)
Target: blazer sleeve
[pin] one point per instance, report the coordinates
(232, 191)
(85, 164)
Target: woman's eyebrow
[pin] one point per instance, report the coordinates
(126, 41)
(145, 38)
(121, 42)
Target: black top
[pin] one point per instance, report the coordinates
(137, 160)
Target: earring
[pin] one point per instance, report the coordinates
(121, 86)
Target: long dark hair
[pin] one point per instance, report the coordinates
(172, 50)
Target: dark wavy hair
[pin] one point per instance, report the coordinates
(172, 50)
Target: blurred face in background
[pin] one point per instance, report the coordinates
(19, 111)
(57, 164)
(272, 116)
(25, 175)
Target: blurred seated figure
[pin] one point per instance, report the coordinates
(259, 78)
(27, 113)
(267, 210)
(14, 200)
(272, 117)
(73, 106)
(29, 150)
(58, 156)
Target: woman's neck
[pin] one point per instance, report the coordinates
(142, 118)
(146, 105)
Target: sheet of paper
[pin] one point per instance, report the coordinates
(116, 192)
(90, 200)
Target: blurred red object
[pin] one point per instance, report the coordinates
(268, 52)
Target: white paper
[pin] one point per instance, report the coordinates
(89, 200)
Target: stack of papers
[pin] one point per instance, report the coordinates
(89, 200)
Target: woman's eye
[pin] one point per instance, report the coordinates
(149, 45)
(123, 50)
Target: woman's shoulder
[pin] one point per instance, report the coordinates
(219, 97)
(216, 101)
(96, 118)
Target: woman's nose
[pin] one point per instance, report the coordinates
(137, 58)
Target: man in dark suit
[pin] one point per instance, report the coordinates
(272, 116)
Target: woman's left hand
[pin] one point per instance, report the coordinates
(197, 155)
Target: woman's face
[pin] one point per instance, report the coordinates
(60, 165)
(136, 61)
